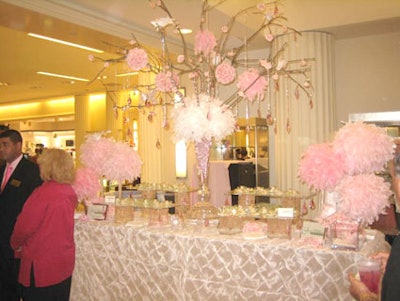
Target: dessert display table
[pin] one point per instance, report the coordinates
(121, 262)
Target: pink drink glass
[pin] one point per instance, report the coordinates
(370, 274)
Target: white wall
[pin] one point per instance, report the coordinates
(367, 75)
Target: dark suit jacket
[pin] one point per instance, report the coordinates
(390, 290)
(23, 181)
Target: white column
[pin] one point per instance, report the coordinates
(82, 122)
(307, 125)
(155, 145)
(114, 117)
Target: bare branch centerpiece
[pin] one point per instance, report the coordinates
(211, 63)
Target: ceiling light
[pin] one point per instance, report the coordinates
(63, 76)
(64, 42)
(185, 31)
(127, 74)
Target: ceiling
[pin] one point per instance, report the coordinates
(108, 25)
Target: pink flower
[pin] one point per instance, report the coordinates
(365, 147)
(320, 167)
(166, 81)
(261, 6)
(363, 197)
(225, 73)
(91, 57)
(137, 58)
(87, 183)
(180, 59)
(266, 64)
(205, 42)
(269, 37)
(252, 84)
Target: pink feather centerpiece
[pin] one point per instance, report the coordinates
(86, 184)
(346, 169)
(320, 167)
(103, 156)
(367, 147)
(200, 120)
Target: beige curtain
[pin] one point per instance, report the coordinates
(307, 125)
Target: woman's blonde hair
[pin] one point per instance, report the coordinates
(56, 165)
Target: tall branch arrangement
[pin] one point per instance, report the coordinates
(212, 63)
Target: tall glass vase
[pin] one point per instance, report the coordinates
(203, 210)
(202, 151)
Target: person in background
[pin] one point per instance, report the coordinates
(38, 152)
(390, 263)
(3, 128)
(47, 219)
(243, 154)
(19, 178)
(390, 284)
(396, 181)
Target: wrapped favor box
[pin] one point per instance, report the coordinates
(279, 227)
(148, 194)
(124, 213)
(159, 217)
(247, 199)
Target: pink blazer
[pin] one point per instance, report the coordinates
(44, 233)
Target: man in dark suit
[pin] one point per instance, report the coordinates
(3, 128)
(16, 186)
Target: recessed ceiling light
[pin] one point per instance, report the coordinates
(64, 42)
(127, 74)
(186, 31)
(63, 76)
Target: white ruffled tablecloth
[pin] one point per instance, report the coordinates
(121, 263)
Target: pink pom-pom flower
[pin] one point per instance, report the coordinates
(123, 164)
(320, 167)
(366, 147)
(87, 183)
(225, 73)
(251, 84)
(205, 42)
(363, 197)
(96, 150)
(166, 81)
(114, 160)
(137, 58)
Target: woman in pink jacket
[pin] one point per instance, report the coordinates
(44, 232)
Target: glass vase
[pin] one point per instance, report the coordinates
(203, 210)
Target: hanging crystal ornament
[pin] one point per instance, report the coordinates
(259, 107)
(115, 108)
(288, 126)
(165, 124)
(304, 209)
(312, 204)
